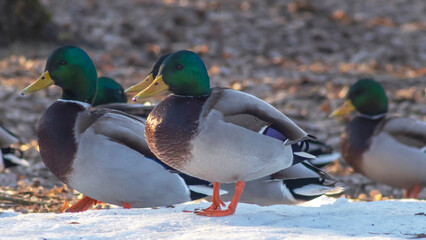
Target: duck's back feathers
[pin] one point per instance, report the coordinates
(117, 126)
(235, 103)
(407, 131)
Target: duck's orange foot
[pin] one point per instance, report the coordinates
(216, 213)
(126, 205)
(216, 201)
(215, 210)
(216, 205)
(82, 205)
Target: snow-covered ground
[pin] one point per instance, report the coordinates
(324, 218)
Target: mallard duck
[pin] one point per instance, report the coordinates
(100, 152)
(383, 147)
(297, 184)
(215, 133)
(109, 91)
(10, 156)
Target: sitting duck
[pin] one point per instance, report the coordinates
(385, 148)
(100, 152)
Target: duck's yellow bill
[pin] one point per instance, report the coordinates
(156, 87)
(42, 82)
(141, 86)
(343, 110)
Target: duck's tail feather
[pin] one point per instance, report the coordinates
(322, 160)
(323, 152)
(300, 148)
(306, 182)
(13, 157)
(305, 189)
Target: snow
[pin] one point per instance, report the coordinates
(323, 218)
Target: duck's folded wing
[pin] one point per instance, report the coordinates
(231, 102)
(408, 131)
(118, 126)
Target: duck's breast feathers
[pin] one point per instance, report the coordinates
(171, 126)
(356, 140)
(250, 112)
(56, 136)
(407, 131)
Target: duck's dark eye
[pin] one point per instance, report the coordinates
(63, 62)
(179, 67)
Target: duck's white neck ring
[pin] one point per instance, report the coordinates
(372, 117)
(84, 104)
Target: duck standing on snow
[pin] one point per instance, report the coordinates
(297, 184)
(387, 149)
(101, 153)
(213, 133)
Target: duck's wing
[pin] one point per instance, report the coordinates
(238, 107)
(407, 131)
(117, 126)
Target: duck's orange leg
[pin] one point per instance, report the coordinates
(413, 192)
(82, 205)
(407, 193)
(239, 187)
(216, 201)
(126, 205)
(416, 190)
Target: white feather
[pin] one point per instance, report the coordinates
(19, 161)
(304, 155)
(315, 189)
(326, 158)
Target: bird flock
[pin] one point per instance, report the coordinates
(204, 142)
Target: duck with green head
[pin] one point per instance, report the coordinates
(294, 185)
(109, 91)
(213, 133)
(385, 148)
(100, 152)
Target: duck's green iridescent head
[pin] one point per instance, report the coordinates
(183, 73)
(365, 96)
(109, 91)
(70, 68)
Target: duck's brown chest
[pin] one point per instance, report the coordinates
(56, 137)
(356, 139)
(171, 126)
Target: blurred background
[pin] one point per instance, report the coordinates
(300, 56)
